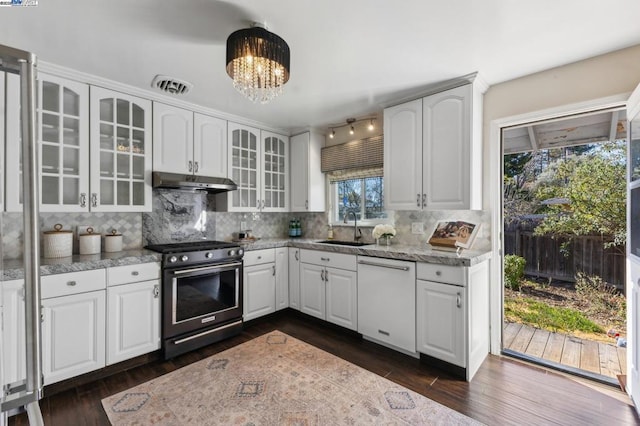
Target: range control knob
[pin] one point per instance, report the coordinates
(232, 252)
(184, 257)
(240, 252)
(173, 259)
(208, 255)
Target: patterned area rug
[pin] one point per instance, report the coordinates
(275, 380)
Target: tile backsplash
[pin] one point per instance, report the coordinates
(191, 216)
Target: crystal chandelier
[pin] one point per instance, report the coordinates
(258, 63)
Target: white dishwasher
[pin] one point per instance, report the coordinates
(386, 302)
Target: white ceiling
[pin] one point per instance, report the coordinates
(348, 58)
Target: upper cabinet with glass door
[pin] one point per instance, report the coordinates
(63, 141)
(120, 152)
(258, 164)
(2, 139)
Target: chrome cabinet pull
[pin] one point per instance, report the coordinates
(418, 200)
(190, 166)
(386, 333)
(196, 167)
(326, 276)
(306, 204)
(83, 200)
(71, 283)
(156, 291)
(322, 274)
(94, 199)
(438, 273)
(458, 300)
(424, 200)
(296, 255)
(274, 270)
(382, 265)
(325, 259)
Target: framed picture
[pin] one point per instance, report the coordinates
(454, 235)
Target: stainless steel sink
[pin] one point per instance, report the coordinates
(344, 243)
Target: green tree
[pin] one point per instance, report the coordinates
(594, 186)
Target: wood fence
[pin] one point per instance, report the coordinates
(546, 257)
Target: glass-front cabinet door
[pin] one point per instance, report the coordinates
(63, 137)
(244, 164)
(120, 152)
(275, 173)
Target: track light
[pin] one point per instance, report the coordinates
(351, 124)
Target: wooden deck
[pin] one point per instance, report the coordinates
(595, 357)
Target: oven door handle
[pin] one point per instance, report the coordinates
(222, 266)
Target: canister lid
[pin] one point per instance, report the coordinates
(57, 229)
(113, 233)
(89, 233)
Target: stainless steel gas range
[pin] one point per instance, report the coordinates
(201, 294)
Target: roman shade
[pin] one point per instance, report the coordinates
(353, 160)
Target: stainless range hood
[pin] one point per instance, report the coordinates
(192, 182)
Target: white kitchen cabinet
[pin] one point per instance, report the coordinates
(209, 145)
(133, 311)
(386, 302)
(453, 314)
(120, 152)
(307, 180)
(63, 144)
(258, 164)
(172, 139)
(433, 152)
(259, 283)
(328, 287)
(13, 332)
(294, 278)
(185, 142)
(282, 278)
(73, 324)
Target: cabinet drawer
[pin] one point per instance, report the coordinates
(133, 273)
(258, 257)
(73, 283)
(327, 258)
(441, 273)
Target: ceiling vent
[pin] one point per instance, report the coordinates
(171, 85)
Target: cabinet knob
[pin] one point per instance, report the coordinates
(156, 291)
(71, 283)
(135, 273)
(438, 273)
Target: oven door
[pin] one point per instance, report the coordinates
(200, 297)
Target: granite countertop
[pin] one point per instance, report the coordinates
(14, 269)
(394, 251)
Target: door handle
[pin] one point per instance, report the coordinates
(322, 274)
(156, 291)
(306, 204)
(326, 276)
(296, 255)
(274, 270)
(458, 300)
(418, 200)
(196, 167)
(83, 200)
(190, 166)
(94, 199)
(424, 200)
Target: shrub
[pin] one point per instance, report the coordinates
(513, 271)
(602, 297)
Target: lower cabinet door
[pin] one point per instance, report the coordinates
(294, 278)
(341, 297)
(441, 321)
(259, 293)
(73, 335)
(133, 320)
(312, 292)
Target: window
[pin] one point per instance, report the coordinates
(364, 196)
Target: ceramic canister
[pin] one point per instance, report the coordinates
(89, 242)
(58, 242)
(113, 241)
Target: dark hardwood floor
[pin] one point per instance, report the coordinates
(504, 391)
